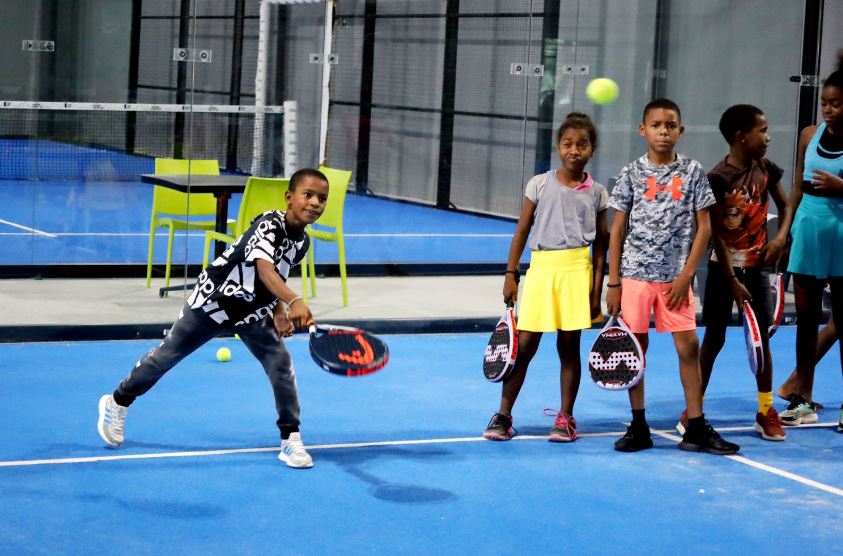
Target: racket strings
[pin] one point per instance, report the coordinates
(352, 348)
(614, 360)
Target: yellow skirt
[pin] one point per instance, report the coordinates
(556, 291)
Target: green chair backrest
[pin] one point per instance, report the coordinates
(338, 181)
(170, 201)
(261, 195)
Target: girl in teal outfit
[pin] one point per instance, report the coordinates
(815, 259)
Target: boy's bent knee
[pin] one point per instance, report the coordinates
(687, 344)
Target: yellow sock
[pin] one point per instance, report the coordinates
(765, 402)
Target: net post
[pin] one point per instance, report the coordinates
(291, 149)
(258, 149)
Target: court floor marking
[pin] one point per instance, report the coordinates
(769, 468)
(667, 434)
(27, 228)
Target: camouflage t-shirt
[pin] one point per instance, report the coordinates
(661, 201)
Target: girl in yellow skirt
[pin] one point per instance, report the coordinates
(566, 211)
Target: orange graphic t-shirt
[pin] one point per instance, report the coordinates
(742, 199)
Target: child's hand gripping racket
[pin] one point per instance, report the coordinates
(752, 335)
(502, 348)
(777, 292)
(347, 351)
(616, 360)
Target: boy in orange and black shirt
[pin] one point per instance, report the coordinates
(742, 183)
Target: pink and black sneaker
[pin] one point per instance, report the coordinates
(565, 427)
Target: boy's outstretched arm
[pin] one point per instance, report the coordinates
(298, 312)
(677, 292)
(616, 239)
(516, 249)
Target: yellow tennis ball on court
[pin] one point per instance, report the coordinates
(602, 90)
(223, 354)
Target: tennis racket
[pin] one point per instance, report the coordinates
(347, 351)
(616, 360)
(777, 291)
(502, 348)
(752, 335)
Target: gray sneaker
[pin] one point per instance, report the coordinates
(293, 452)
(798, 412)
(111, 421)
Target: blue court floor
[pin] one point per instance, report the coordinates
(400, 466)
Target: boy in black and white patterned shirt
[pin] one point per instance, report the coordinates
(240, 292)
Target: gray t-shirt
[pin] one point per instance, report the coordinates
(565, 218)
(662, 202)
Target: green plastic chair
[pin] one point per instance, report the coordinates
(261, 195)
(168, 205)
(338, 181)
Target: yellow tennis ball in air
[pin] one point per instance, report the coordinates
(602, 90)
(223, 354)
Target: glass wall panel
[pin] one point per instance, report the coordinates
(425, 105)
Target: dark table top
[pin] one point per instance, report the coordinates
(198, 183)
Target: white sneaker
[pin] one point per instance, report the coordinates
(293, 453)
(111, 421)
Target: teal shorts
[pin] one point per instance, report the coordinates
(817, 232)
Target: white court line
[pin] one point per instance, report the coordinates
(769, 468)
(202, 453)
(27, 228)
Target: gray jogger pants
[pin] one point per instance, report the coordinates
(192, 330)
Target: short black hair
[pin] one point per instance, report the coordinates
(578, 120)
(664, 103)
(299, 175)
(740, 117)
(835, 79)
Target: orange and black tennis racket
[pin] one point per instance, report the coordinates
(347, 351)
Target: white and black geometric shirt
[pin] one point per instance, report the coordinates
(230, 290)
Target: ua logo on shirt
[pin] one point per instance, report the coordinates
(653, 188)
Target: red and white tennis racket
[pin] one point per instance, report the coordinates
(502, 349)
(777, 290)
(752, 335)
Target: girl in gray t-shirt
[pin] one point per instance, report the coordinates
(566, 211)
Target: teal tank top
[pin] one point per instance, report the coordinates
(831, 162)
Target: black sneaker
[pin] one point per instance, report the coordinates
(706, 439)
(635, 439)
(499, 428)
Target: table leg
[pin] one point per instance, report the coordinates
(222, 220)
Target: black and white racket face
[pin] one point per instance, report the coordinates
(752, 335)
(347, 352)
(499, 357)
(616, 361)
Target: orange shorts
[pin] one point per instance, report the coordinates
(640, 298)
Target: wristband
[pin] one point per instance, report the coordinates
(613, 285)
(290, 303)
